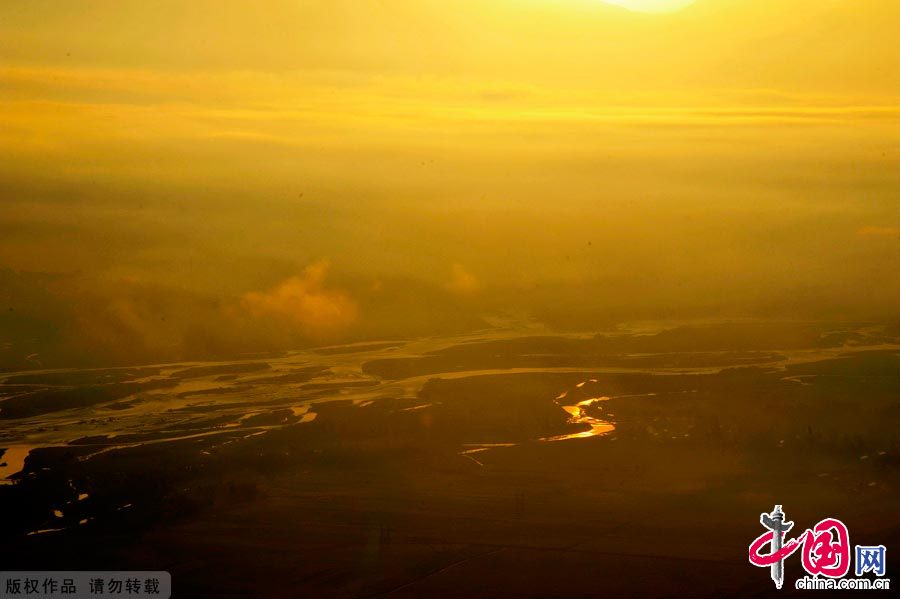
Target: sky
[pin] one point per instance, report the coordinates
(187, 180)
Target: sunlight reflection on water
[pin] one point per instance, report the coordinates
(578, 415)
(14, 458)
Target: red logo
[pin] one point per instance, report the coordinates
(825, 547)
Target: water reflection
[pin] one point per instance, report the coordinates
(479, 447)
(12, 462)
(579, 414)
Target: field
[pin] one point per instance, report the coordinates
(501, 464)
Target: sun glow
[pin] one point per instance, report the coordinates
(651, 5)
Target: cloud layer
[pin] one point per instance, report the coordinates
(169, 168)
(306, 303)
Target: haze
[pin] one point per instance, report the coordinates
(205, 179)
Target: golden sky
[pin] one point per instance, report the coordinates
(466, 157)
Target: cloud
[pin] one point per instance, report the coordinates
(305, 303)
(878, 231)
(462, 282)
(652, 5)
